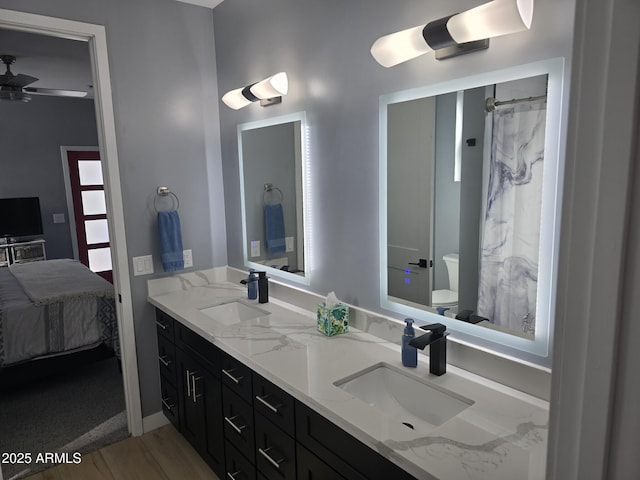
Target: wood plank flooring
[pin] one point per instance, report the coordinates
(162, 454)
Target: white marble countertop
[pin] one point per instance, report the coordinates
(502, 435)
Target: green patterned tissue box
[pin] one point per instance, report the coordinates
(333, 320)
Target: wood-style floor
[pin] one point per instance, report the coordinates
(162, 454)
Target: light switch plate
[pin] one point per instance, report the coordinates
(255, 248)
(187, 255)
(289, 244)
(58, 218)
(142, 265)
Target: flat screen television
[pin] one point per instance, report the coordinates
(20, 217)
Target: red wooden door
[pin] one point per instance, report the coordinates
(90, 211)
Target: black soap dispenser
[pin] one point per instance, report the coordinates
(263, 287)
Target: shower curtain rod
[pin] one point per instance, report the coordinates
(491, 103)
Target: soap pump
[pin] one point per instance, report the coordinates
(252, 285)
(409, 353)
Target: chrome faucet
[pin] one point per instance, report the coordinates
(436, 338)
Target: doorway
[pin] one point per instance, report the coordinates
(95, 37)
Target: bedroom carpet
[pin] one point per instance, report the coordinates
(78, 411)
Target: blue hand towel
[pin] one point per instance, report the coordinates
(170, 241)
(274, 228)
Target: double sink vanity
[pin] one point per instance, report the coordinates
(261, 393)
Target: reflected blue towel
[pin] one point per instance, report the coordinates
(274, 228)
(170, 241)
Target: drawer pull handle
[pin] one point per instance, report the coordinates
(232, 476)
(235, 427)
(267, 404)
(161, 325)
(167, 405)
(275, 463)
(164, 361)
(234, 379)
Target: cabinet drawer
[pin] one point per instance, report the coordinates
(236, 376)
(274, 403)
(199, 347)
(346, 454)
(275, 451)
(167, 358)
(164, 324)
(311, 467)
(238, 423)
(237, 466)
(169, 396)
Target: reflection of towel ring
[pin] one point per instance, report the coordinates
(269, 188)
(164, 192)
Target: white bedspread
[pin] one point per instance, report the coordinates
(58, 280)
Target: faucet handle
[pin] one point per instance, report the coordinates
(435, 328)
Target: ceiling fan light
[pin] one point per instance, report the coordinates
(274, 86)
(493, 19)
(12, 95)
(399, 47)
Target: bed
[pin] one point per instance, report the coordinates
(54, 307)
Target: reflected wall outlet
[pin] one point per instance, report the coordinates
(142, 265)
(188, 258)
(289, 244)
(58, 218)
(255, 248)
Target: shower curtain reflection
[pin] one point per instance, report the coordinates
(511, 231)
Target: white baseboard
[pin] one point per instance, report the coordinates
(151, 422)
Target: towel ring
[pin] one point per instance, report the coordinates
(165, 192)
(269, 188)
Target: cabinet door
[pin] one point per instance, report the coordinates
(201, 410)
(191, 407)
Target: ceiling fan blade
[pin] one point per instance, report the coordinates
(20, 80)
(55, 92)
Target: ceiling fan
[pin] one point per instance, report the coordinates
(14, 87)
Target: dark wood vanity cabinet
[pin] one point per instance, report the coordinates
(247, 428)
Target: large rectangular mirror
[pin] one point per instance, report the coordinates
(272, 163)
(469, 177)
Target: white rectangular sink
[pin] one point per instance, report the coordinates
(414, 402)
(233, 312)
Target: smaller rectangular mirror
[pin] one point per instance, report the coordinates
(272, 163)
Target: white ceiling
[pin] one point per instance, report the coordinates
(203, 3)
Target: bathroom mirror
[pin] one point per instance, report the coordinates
(272, 164)
(470, 188)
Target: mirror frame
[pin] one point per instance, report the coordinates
(304, 153)
(536, 351)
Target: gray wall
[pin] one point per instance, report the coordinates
(163, 77)
(324, 47)
(31, 136)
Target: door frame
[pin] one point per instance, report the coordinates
(95, 36)
(64, 150)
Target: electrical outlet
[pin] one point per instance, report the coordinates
(58, 218)
(142, 265)
(188, 258)
(289, 244)
(255, 248)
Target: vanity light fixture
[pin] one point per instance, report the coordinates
(269, 91)
(455, 34)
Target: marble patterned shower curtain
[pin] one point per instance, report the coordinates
(511, 231)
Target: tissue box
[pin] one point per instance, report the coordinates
(333, 320)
